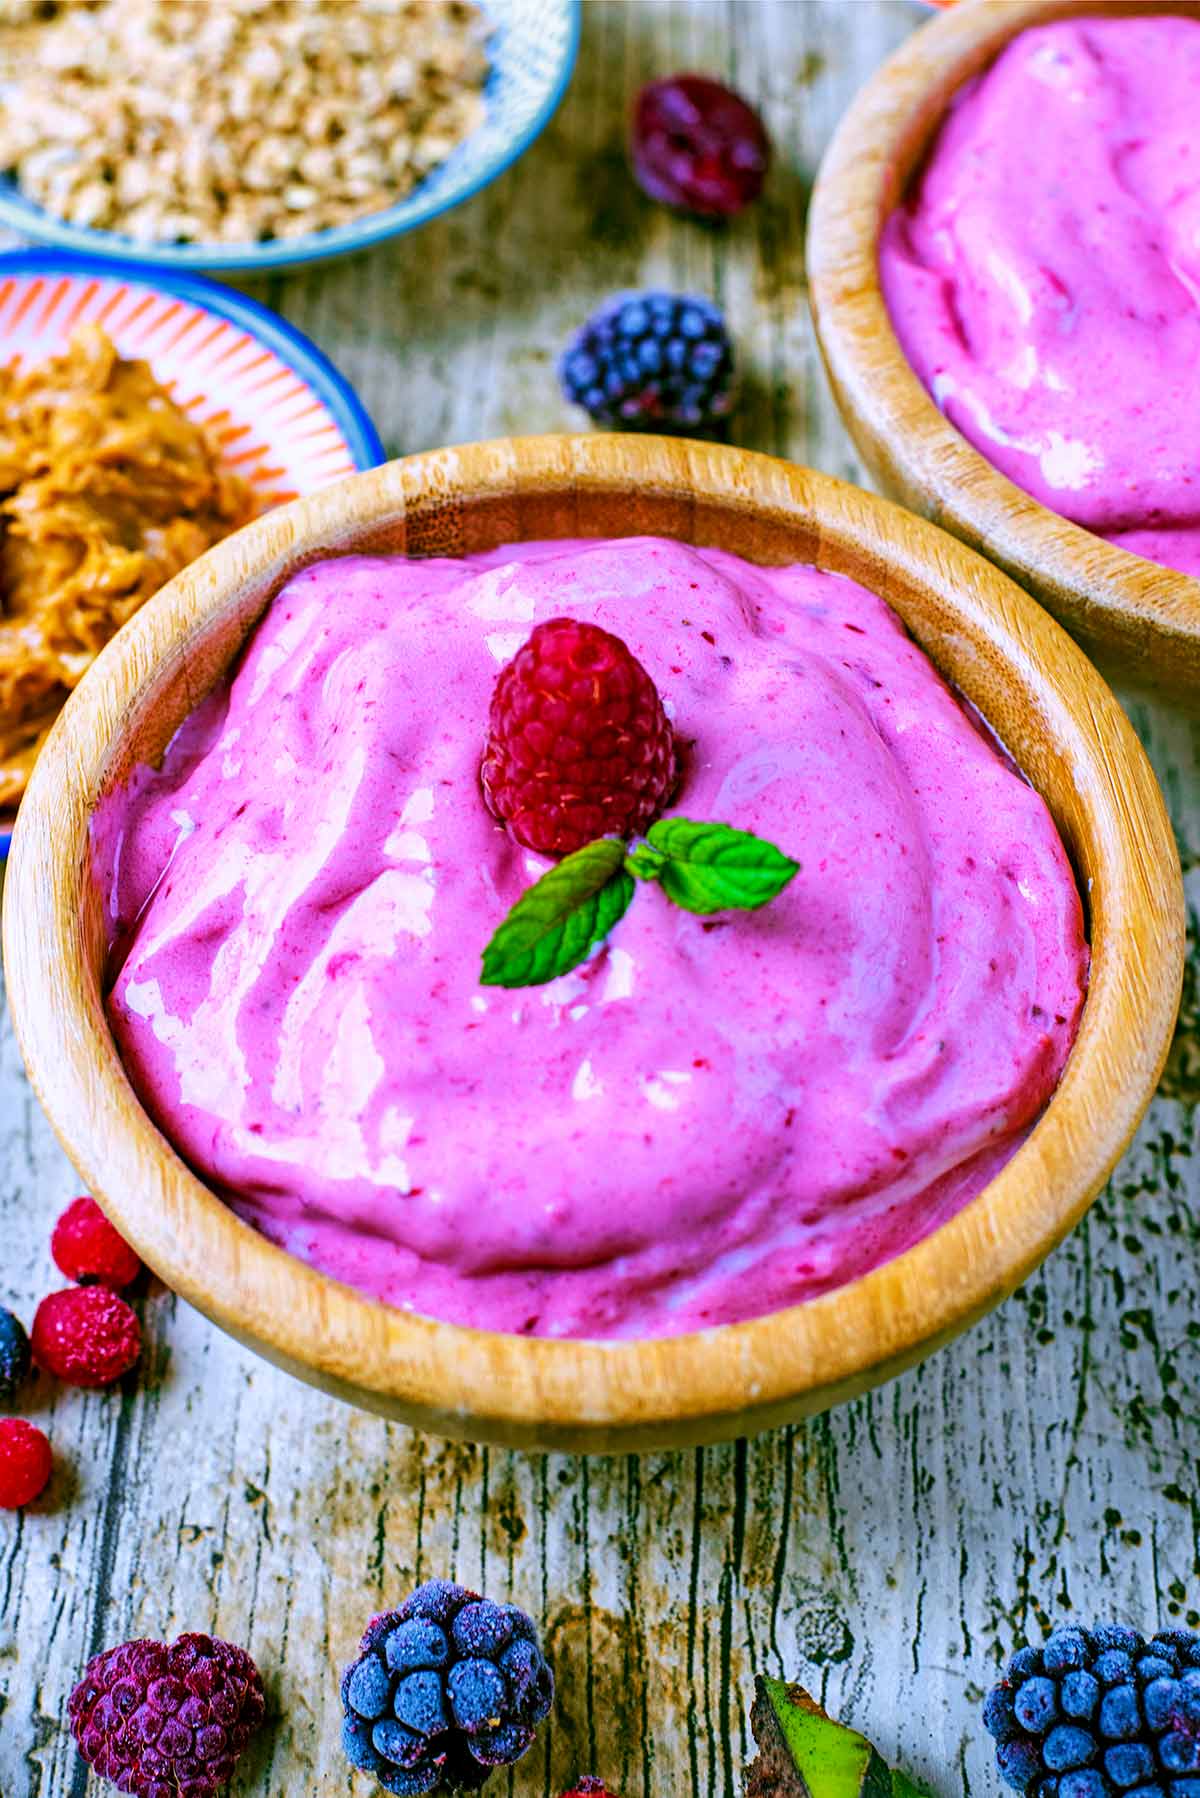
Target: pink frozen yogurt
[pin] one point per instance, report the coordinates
(710, 1118)
(1043, 276)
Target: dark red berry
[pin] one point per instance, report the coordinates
(25, 1462)
(578, 744)
(167, 1721)
(86, 1247)
(698, 146)
(86, 1336)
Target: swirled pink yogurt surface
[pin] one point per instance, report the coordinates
(1043, 276)
(710, 1118)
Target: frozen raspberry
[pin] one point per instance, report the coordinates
(86, 1248)
(698, 146)
(25, 1462)
(86, 1336)
(589, 1787)
(167, 1721)
(14, 1353)
(578, 745)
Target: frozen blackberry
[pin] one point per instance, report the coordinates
(14, 1353)
(1100, 1713)
(652, 360)
(444, 1690)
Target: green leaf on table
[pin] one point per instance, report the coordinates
(552, 927)
(712, 867)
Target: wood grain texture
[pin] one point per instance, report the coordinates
(890, 1552)
(1141, 619)
(1038, 692)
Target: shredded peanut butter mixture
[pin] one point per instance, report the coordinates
(109, 489)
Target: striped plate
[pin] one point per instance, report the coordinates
(288, 421)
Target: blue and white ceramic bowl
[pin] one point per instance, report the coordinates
(532, 52)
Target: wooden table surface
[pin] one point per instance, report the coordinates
(887, 1554)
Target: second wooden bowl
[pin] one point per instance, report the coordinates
(1028, 679)
(1142, 620)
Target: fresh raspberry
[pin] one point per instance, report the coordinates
(25, 1462)
(579, 745)
(86, 1248)
(697, 145)
(167, 1721)
(589, 1787)
(86, 1336)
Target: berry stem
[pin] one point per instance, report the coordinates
(645, 863)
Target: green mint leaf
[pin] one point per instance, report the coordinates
(552, 926)
(712, 867)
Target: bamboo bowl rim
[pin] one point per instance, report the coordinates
(1113, 598)
(1008, 656)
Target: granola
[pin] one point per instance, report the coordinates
(170, 121)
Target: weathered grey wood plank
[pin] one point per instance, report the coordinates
(887, 1553)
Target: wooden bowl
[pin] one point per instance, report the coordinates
(1140, 619)
(1029, 680)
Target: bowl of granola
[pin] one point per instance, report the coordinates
(145, 417)
(265, 133)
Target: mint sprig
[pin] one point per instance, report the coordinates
(703, 868)
(711, 867)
